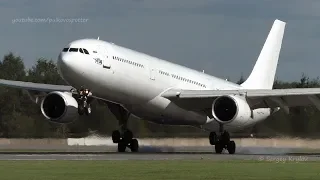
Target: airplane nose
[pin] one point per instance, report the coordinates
(64, 59)
(64, 63)
(69, 67)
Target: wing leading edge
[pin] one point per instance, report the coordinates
(35, 86)
(199, 100)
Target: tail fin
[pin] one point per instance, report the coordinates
(263, 73)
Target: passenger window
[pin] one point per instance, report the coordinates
(73, 50)
(65, 49)
(80, 50)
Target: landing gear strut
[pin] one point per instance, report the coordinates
(222, 141)
(84, 100)
(123, 137)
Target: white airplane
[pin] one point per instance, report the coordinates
(130, 82)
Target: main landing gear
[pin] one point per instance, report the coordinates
(222, 141)
(84, 100)
(123, 137)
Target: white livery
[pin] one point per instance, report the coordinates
(130, 82)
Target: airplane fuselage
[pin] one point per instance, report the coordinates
(137, 80)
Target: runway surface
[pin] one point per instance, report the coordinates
(161, 156)
(160, 153)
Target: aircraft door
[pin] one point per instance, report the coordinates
(106, 61)
(104, 56)
(152, 74)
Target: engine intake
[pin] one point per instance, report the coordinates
(59, 107)
(226, 109)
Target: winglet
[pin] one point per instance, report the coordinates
(263, 73)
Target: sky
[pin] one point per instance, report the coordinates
(221, 37)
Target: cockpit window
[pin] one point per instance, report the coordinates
(81, 50)
(85, 51)
(73, 50)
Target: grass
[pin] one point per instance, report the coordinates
(156, 170)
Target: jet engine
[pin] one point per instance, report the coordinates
(226, 109)
(59, 107)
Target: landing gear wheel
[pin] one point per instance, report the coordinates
(134, 145)
(225, 137)
(213, 138)
(122, 146)
(218, 147)
(116, 136)
(127, 136)
(124, 137)
(222, 141)
(231, 147)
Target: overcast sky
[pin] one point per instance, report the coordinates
(221, 37)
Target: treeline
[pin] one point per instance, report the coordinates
(21, 118)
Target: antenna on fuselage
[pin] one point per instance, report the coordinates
(98, 37)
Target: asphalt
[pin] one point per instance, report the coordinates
(259, 154)
(278, 154)
(163, 156)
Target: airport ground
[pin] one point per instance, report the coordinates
(174, 169)
(96, 158)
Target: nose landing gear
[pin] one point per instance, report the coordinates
(84, 99)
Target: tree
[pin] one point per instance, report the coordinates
(11, 67)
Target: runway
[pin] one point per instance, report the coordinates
(160, 153)
(159, 156)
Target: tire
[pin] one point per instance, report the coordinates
(218, 147)
(122, 146)
(127, 136)
(213, 138)
(225, 137)
(134, 145)
(116, 136)
(231, 147)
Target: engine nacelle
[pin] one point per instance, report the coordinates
(59, 107)
(226, 109)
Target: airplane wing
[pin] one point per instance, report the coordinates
(35, 86)
(41, 88)
(200, 100)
